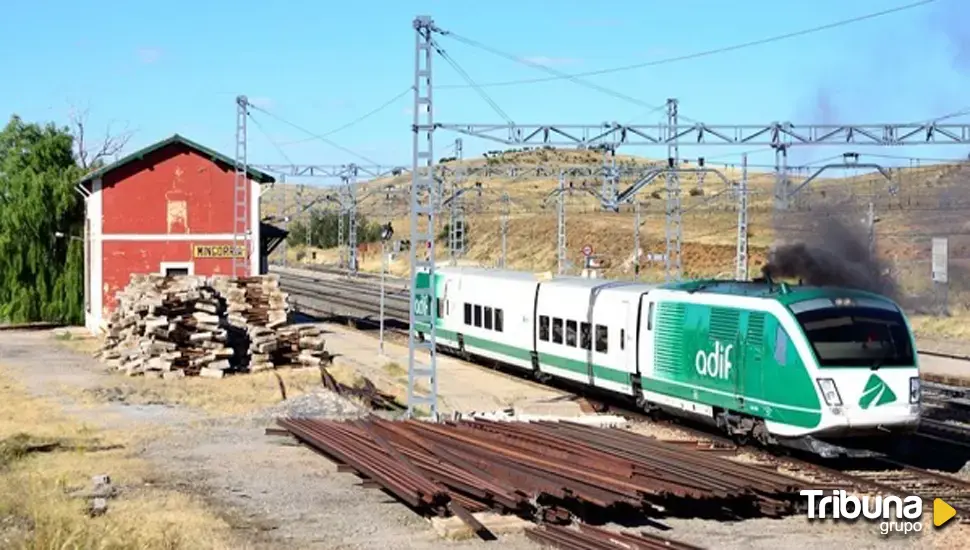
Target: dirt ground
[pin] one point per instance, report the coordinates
(256, 491)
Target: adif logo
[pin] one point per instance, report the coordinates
(876, 393)
(716, 364)
(838, 505)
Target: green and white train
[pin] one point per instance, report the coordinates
(792, 365)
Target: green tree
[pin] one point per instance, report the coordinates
(323, 230)
(41, 274)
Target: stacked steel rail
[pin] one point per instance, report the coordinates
(588, 537)
(550, 472)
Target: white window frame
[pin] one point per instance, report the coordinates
(164, 266)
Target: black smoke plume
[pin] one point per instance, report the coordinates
(831, 253)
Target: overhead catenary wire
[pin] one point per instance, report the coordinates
(272, 142)
(454, 65)
(315, 135)
(707, 53)
(558, 75)
(357, 120)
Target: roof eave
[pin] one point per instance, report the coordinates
(214, 156)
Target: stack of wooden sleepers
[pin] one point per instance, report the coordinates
(175, 326)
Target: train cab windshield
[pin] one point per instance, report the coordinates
(858, 337)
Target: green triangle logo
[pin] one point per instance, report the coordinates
(876, 393)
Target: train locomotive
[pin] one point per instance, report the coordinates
(791, 365)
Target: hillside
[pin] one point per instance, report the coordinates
(931, 201)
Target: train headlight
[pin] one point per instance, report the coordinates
(829, 392)
(914, 389)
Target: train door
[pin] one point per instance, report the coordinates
(446, 298)
(645, 338)
(627, 335)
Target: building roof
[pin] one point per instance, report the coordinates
(215, 156)
(271, 237)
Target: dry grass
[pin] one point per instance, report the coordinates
(227, 396)
(37, 512)
(232, 395)
(954, 327)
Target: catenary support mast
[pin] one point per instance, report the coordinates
(241, 234)
(422, 215)
(673, 228)
(741, 257)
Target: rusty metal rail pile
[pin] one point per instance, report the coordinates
(546, 471)
(588, 537)
(366, 392)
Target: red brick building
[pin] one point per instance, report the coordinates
(160, 210)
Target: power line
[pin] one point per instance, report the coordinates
(706, 53)
(314, 135)
(558, 75)
(454, 65)
(357, 120)
(272, 142)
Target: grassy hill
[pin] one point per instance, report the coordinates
(931, 201)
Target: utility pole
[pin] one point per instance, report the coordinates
(742, 253)
(636, 240)
(699, 188)
(383, 272)
(386, 233)
(286, 219)
(673, 228)
(871, 227)
(422, 210)
(609, 174)
(352, 219)
(456, 224)
(341, 220)
(561, 224)
(506, 214)
(782, 190)
(241, 232)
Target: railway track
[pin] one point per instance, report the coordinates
(331, 296)
(364, 278)
(875, 475)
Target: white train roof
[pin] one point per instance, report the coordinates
(547, 278)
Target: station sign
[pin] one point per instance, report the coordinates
(587, 250)
(218, 251)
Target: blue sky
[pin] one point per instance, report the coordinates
(176, 66)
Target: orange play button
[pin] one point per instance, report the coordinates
(942, 512)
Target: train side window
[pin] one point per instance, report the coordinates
(499, 321)
(468, 313)
(585, 338)
(650, 317)
(447, 307)
(478, 315)
(781, 346)
(556, 330)
(441, 308)
(602, 339)
(544, 328)
(622, 337)
(488, 318)
(571, 333)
